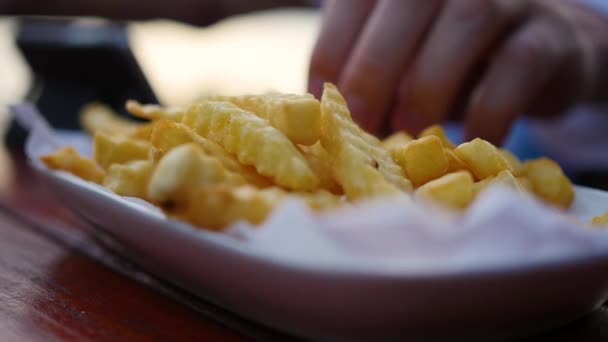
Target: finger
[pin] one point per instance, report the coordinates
(386, 45)
(561, 91)
(523, 66)
(581, 75)
(341, 24)
(459, 41)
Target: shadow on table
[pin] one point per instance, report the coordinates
(82, 299)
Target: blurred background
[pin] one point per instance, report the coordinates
(66, 53)
(196, 48)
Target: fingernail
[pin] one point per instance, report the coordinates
(315, 86)
(358, 109)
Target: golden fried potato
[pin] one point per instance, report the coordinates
(436, 130)
(397, 141)
(512, 160)
(454, 190)
(185, 169)
(67, 159)
(111, 149)
(142, 132)
(482, 158)
(234, 158)
(129, 179)
(359, 162)
(97, 117)
(296, 116)
(154, 112)
(167, 135)
(600, 221)
(254, 141)
(422, 159)
(549, 182)
(525, 184)
(481, 186)
(504, 178)
(319, 200)
(218, 206)
(454, 163)
(319, 161)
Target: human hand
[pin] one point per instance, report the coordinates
(406, 64)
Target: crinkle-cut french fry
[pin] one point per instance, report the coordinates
(454, 190)
(154, 112)
(130, 179)
(549, 182)
(454, 163)
(142, 132)
(97, 117)
(319, 200)
(525, 183)
(167, 135)
(600, 221)
(183, 170)
(422, 159)
(482, 158)
(254, 142)
(359, 162)
(514, 163)
(504, 178)
(116, 149)
(69, 160)
(296, 116)
(397, 140)
(319, 161)
(217, 206)
(439, 132)
(481, 186)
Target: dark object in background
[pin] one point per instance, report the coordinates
(75, 62)
(595, 179)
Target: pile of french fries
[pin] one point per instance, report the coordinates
(225, 159)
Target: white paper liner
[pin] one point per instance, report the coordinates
(502, 230)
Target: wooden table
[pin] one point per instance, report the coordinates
(56, 282)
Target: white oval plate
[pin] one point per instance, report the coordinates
(324, 303)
